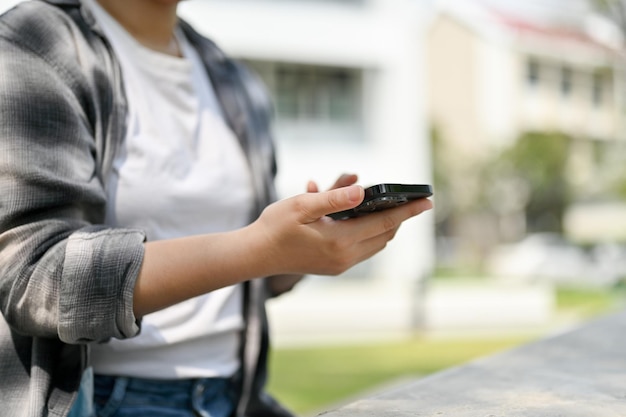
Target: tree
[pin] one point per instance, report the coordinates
(615, 10)
(538, 161)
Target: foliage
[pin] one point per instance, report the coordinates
(612, 160)
(441, 182)
(537, 162)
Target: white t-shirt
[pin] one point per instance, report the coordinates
(181, 172)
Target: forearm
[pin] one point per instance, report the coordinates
(179, 269)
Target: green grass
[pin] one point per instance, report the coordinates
(586, 303)
(308, 379)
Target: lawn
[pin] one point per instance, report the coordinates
(315, 379)
(587, 303)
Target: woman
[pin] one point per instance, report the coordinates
(139, 236)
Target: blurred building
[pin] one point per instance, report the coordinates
(495, 73)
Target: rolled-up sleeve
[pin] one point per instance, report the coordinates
(63, 273)
(101, 305)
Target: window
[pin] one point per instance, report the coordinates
(316, 93)
(315, 101)
(597, 89)
(566, 81)
(532, 73)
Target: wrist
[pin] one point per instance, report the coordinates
(259, 256)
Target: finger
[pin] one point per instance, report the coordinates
(345, 180)
(312, 206)
(380, 223)
(408, 210)
(311, 187)
(424, 204)
(370, 247)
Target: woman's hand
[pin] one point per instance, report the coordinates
(279, 284)
(296, 236)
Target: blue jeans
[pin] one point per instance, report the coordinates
(83, 406)
(138, 397)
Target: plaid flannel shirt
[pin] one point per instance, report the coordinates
(66, 280)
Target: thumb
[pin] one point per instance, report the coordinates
(313, 206)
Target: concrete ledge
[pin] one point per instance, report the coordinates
(579, 373)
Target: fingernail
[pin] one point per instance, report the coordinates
(353, 193)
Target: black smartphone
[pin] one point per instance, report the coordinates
(384, 196)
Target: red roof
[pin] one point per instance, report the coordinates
(554, 32)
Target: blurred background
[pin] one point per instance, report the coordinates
(514, 111)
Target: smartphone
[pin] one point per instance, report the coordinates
(384, 196)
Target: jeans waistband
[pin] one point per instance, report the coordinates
(113, 394)
(157, 386)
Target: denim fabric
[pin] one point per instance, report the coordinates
(138, 397)
(83, 406)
